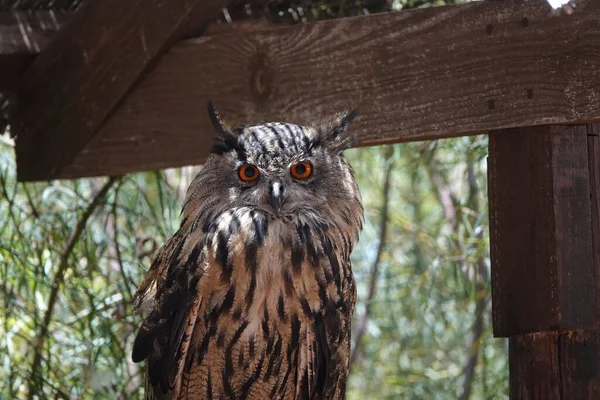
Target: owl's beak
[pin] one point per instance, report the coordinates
(276, 196)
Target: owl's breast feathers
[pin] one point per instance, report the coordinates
(249, 306)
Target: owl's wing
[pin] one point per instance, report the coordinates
(143, 300)
(331, 344)
(330, 355)
(164, 337)
(321, 360)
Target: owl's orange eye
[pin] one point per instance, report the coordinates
(248, 173)
(301, 170)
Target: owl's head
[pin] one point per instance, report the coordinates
(280, 169)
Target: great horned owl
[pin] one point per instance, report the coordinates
(253, 295)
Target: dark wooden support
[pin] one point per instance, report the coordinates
(544, 230)
(594, 162)
(22, 35)
(414, 75)
(541, 230)
(555, 366)
(74, 84)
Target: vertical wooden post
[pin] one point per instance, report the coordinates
(594, 163)
(544, 231)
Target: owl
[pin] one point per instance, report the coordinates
(253, 296)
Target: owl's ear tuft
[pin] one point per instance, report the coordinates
(333, 133)
(224, 140)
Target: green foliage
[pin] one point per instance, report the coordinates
(86, 351)
(418, 335)
(420, 332)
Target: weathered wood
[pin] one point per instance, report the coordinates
(27, 32)
(594, 166)
(11, 69)
(555, 366)
(543, 274)
(415, 74)
(544, 226)
(7, 5)
(22, 35)
(78, 80)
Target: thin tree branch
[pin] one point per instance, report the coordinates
(362, 322)
(453, 215)
(477, 330)
(444, 194)
(34, 377)
(481, 278)
(34, 210)
(117, 249)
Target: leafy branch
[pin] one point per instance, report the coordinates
(362, 322)
(481, 303)
(35, 381)
(453, 215)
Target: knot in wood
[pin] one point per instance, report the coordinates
(261, 76)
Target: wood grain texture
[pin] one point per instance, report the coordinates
(57, 5)
(27, 32)
(414, 75)
(22, 35)
(594, 163)
(78, 80)
(543, 274)
(11, 69)
(555, 366)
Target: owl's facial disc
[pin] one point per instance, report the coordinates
(282, 169)
(278, 190)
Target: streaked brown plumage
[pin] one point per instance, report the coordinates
(252, 297)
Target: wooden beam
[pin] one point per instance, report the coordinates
(555, 366)
(594, 167)
(415, 75)
(543, 275)
(22, 35)
(75, 83)
(11, 69)
(27, 32)
(562, 364)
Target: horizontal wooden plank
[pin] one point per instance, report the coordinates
(22, 35)
(76, 82)
(414, 75)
